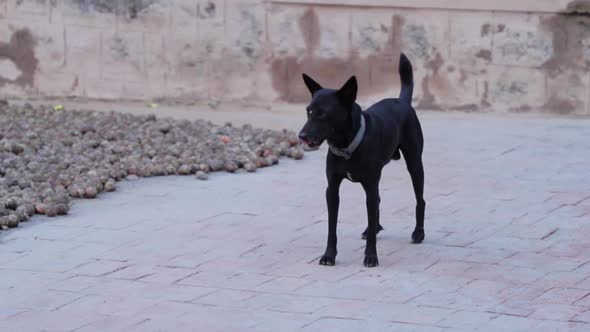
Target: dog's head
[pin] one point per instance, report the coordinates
(329, 111)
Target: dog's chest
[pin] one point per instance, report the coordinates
(350, 176)
(350, 171)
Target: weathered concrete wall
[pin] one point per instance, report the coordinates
(468, 55)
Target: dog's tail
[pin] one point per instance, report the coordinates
(407, 78)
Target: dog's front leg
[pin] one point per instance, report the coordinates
(373, 200)
(333, 201)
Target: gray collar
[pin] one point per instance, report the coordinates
(346, 153)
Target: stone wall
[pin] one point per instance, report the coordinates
(521, 56)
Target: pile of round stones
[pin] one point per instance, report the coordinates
(49, 157)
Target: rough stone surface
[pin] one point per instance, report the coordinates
(506, 249)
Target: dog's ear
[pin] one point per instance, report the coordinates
(312, 85)
(347, 93)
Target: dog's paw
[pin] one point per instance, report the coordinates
(328, 260)
(364, 235)
(418, 236)
(329, 257)
(371, 260)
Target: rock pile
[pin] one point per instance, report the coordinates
(49, 157)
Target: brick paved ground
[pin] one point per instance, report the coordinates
(507, 245)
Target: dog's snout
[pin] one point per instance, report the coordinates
(303, 136)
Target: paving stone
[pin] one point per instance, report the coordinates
(559, 312)
(37, 299)
(44, 320)
(582, 317)
(289, 303)
(554, 326)
(226, 298)
(512, 323)
(406, 313)
(230, 254)
(98, 268)
(282, 285)
(562, 296)
(167, 275)
(467, 320)
(345, 324)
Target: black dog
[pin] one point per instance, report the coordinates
(361, 144)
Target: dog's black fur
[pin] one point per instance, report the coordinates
(391, 125)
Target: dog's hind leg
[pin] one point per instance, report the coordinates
(412, 150)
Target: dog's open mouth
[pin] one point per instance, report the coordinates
(312, 144)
